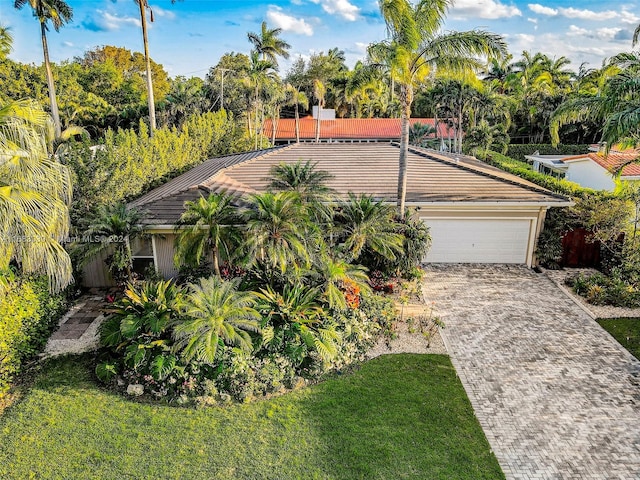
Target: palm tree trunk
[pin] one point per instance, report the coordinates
(406, 96)
(216, 261)
(274, 127)
(318, 122)
(151, 101)
(52, 88)
(298, 124)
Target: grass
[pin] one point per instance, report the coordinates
(626, 331)
(398, 417)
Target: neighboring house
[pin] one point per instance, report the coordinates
(346, 129)
(476, 213)
(591, 170)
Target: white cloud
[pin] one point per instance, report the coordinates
(342, 8)
(161, 12)
(361, 47)
(587, 14)
(577, 13)
(108, 22)
(68, 44)
(542, 10)
(524, 38)
(489, 9)
(288, 23)
(605, 34)
(629, 18)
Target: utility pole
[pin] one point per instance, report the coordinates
(222, 72)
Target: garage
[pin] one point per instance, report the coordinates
(479, 240)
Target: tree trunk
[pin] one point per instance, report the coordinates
(52, 88)
(406, 98)
(216, 260)
(318, 122)
(298, 124)
(151, 101)
(460, 130)
(274, 127)
(256, 119)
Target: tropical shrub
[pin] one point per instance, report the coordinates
(28, 315)
(601, 289)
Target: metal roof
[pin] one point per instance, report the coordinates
(370, 168)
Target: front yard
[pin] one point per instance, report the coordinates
(398, 416)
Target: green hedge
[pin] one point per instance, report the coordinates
(28, 315)
(129, 163)
(523, 169)
(518, 151)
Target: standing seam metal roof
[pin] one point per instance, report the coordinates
(370, 168)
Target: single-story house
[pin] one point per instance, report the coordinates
(592, 170)
(476, 213)
(346, 129)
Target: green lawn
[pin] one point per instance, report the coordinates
(400, 416)
(626, 331)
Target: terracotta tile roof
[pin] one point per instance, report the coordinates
(370, 168)
(346, 128)
(612, 161)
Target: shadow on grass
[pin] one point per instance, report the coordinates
(400, 416)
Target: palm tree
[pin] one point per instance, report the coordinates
(616, 107)
(59, 13)
(302, 178)
(484, 137)
(297, 98)
(207, 226)
(260, 71)
(267, 44)
(416, 47)
(215, 313)
(319, 93)
(277, 226)
(420, 135)
(365, 224)
(35, 194)
(111, 229)
(6, 42)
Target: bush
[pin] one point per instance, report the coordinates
(28, 315)
(518, 151)
(600, 289)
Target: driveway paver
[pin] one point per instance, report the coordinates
(556, 395)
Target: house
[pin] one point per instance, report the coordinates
(283, 131)
(592, 170)
(476, 213)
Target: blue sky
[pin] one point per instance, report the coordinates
(190, 36)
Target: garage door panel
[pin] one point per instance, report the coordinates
(478, 240)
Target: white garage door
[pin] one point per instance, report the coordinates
(478, 240)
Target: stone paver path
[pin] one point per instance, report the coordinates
(557, 397)
(78, 329)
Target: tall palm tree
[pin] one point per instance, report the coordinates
(35, 194)
(268, 44)
(58, 13)
(207, 226)
(416, 47)
(297, 98)
(260, 71)
(319, 93)
(215, 313)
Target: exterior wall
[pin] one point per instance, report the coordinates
(163, 254)
(591, 175)
(95, 273)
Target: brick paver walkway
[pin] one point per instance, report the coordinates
(557, 397)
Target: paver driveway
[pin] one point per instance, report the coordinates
(557, 397)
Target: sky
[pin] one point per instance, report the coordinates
(187, 37)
